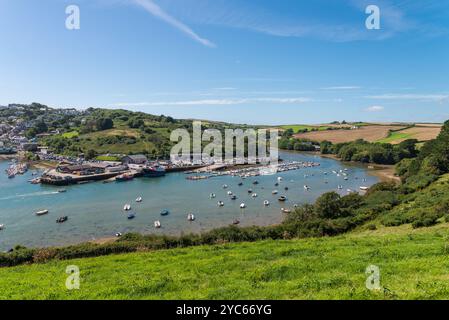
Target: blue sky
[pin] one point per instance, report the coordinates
(245, 61)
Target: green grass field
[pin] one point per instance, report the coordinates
(71, 134)
(394, 136)
(413, 264)
(297, 127)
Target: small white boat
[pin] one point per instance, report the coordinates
(306, 188)
(139, 199)
(279, 179)
(41, 213)
(157, 224)
(254, 195)
(191, 217)
(220, 203)
(212, 195)
(340, 187)
(242, 206)
(229, 193)
(127, 207)
(2, 226)
(364, 188)
(266, 203)
(274, 192)
(118, 234)
(285, 210)
(225, 186)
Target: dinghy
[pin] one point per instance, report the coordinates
(157, 224)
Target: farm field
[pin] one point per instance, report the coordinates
(369, 133)
(413, 265)
(420, 132)
(375, 133)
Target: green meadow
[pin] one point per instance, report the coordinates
(413, 263)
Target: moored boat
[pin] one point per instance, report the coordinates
(191, 217)
(165, 212)
(157, 224)
(242, 206)
(282, 198)
(131, 216)
(266, 203)
(127, 207)
(139, 199)
(153, 171)
(220, 203)
(41, 212)
(124, 177)
(2, 226)
(62, 219)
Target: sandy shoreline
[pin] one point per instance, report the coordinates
(386, 173)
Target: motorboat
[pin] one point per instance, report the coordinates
(118, 234)
(62, 191)
(250, 191)
(242, 206)
(229, 193)
(234, 197)
(124, 177)
(274, 192)
(62, 219)
(235, 221)
(127, 207)
(157, 224)
(225, 186)
(41, 212)
(364, 188)
(285, 210)
(212, 195)
(165, 212)
(282, 198)
(279, 179)
(2, 226)
(255, 182)
(286, 188)
(191, 217)
(266, 203)
(131, 216)
(139, 199)
(220, 203)
(306, 187)
(276, 184)
(240, 184)
(254, 195)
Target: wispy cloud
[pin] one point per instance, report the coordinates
(341, 88)
(375, 109)
(159, 13)
(423, 97)
(212, 102)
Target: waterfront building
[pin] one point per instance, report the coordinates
(135, 159)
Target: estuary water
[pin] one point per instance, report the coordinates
(95, 210)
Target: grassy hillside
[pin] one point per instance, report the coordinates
(413, 265)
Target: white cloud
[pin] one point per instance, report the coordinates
(341, 88)
(211, 102)
(375, 108)
(431, 97)
(158, 12)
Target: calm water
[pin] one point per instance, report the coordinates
(95, 209)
